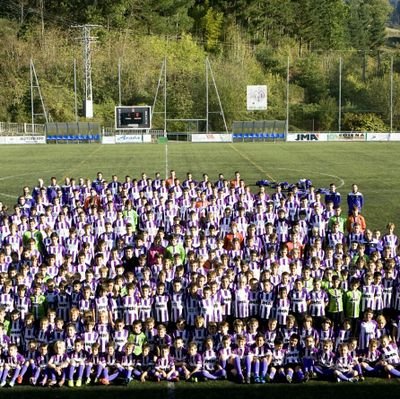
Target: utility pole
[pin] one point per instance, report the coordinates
(87, 40)
(35, 89)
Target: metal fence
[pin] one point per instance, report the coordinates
(21, 129)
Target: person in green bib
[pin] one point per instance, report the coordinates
(335, 308)
(352, 304)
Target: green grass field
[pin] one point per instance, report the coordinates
(373, 166)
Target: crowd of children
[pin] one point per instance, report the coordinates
(161, 279)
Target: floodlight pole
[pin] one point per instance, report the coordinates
(165, 96)
(391, 95)
(75, 93)
(119, 82)
(87, 40)
(208, 65)
(35, 85)
(207, 104)
(287, 96)
(340, 96)
(163, 75)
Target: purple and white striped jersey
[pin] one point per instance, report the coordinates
(298, 300)
(318, 300)
(145, 308)
(160, 308)
(367, 332)
(367, 297)
(241, 303)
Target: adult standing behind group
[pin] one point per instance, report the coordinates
(355, 199)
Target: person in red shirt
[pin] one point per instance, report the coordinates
(356, 217)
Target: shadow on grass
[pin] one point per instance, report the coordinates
(215, 390)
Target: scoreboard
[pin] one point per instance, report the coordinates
(133, 117)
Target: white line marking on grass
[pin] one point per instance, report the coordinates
(29, 173)
(170, 390)
(258, 167)
(341, 181)
(84, 161)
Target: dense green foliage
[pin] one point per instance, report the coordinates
(247, 42)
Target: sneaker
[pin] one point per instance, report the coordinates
(262, 380)
(338, 379)
(256, 380)
(306, 377)
(51, 383)
(87, 381)
(361, 378)
(248, 380)
(62, 382)
(353, 379)
(78, 383)
(32, 381)
(70, 383)
(289, 379)
(195, 379)
(3, 384)
(11, 384)
(19, 379)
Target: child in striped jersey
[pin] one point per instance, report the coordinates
(309, 357)
(179, 354)
(110, 371)
(165, 366)
(344, 365)
(127, 362)
(211, 370)
(276, 370)
(193, 364)
(119, 335)
(77, 364)
(325, 360)
(144, 368)
(14, 367)
(39, 365)
(260, 357)
(293, 366)
(94, 364)
(370, 358)
(57, 365)
(390, 357)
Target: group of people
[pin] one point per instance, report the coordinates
(162, 279)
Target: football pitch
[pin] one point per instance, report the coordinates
(374, 167)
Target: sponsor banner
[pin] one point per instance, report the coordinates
(147, 138)
(22, 139)
(378, 136)
(394, 136)
(108, 140)
(128, 138)
(212, 138)
(257, 98)
(347, 136)
(313, 137)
